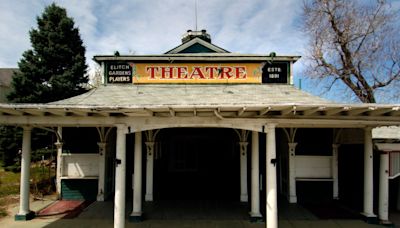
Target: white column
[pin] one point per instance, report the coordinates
(292, 173)
(102, 170)
(24, 210)
(335, 170)
(271, 184)
(137, 179)
(255, 179)
(120, 175)
(243, 172)
(368, 174)
(149, 171)
(60, 161)
(384, 187)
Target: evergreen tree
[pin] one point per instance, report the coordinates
(10, 138)
(55, 67)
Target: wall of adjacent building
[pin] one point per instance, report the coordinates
(5, 82)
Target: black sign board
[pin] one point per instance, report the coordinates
(275, 72)
(118, 72)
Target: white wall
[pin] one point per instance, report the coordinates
(80, 165)
(313, 166)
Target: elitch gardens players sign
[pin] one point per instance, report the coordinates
(146, 73)
(119, 73)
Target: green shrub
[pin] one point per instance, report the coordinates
(16, 168)
(42, 152)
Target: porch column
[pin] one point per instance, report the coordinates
(271, 184)
(60, 161)
(292, 173)
(335, 171)
(136, 215)
(384, 187)
(368, 175)
(102, 170)
(243, 172)
(24, 212)
(149, 171)
(255, 178)
(120, 175)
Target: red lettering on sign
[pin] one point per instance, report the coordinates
(181, 72)
(240, 72)
(226, 72)
(167, 72)
(152, 71)
(211, 71)
(197, 73)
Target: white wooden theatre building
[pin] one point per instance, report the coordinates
(199, 122)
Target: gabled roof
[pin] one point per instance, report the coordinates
(196, 45)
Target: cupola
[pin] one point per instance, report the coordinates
(190, 35)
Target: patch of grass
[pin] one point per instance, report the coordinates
(9, 183)
(3, 212)
(40, 184)
(42, 181)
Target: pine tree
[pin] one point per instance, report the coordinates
(10, 138)
(55, 67)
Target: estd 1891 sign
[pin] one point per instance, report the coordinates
(119, 73)
(275, 72)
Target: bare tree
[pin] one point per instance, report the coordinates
(95, 77)
(354, 42)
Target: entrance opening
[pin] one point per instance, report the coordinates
(197, 164)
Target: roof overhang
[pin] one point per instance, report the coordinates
(284, 115)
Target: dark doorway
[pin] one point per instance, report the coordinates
(351, 175)
(197, 164)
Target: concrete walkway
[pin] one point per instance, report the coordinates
(100, 214)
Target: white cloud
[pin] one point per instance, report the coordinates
(156, 26)
(16, 19)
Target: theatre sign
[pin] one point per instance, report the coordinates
(145, 73)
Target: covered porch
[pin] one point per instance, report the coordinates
(140, 112)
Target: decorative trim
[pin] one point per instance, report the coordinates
(196, 40)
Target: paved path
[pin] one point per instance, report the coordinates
(100, 215)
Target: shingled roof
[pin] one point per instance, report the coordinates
(192, 95)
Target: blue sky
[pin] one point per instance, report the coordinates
(156, 26)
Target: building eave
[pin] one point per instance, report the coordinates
(202, 57)
(337, 115)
